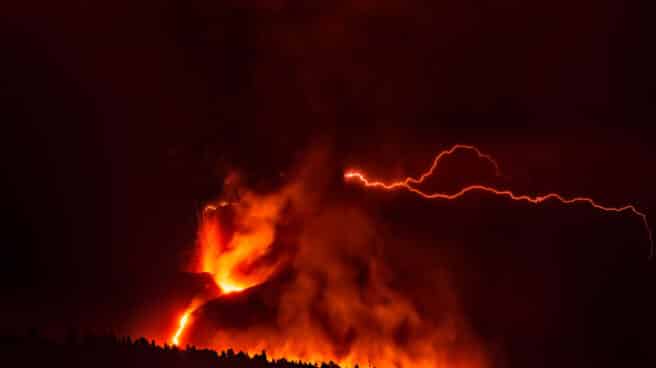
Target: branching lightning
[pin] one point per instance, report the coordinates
(410, 183)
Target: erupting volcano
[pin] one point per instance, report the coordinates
(323, 293)
(282, 184)
(233, 258)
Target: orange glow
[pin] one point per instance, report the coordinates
(229, 288)
(229, 257)
(226, 259)
(338, 304)
(407, 184)
(223, 259)
(175, 340)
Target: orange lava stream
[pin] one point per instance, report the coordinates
(175, 340)
(406, 184)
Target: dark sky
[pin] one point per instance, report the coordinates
(121, 118)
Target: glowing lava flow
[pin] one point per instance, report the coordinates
(183, 323)
(407, 185)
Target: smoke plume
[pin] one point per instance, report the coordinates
(305, 275)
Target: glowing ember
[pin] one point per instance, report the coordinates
(407, 184)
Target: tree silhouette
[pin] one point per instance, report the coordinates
(107, 350)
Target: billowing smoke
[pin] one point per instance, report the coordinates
(305, 275)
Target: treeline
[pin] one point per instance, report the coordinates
(108, 350)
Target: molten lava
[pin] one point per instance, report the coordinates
(229, 258)
(182, 324)
(408, 184)
(215, 256)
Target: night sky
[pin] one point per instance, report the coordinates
(120, 120)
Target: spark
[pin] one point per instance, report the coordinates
(408, 184)
(211, 207)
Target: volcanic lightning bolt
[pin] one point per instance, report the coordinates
(410, 183)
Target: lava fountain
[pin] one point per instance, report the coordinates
(232, 239)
